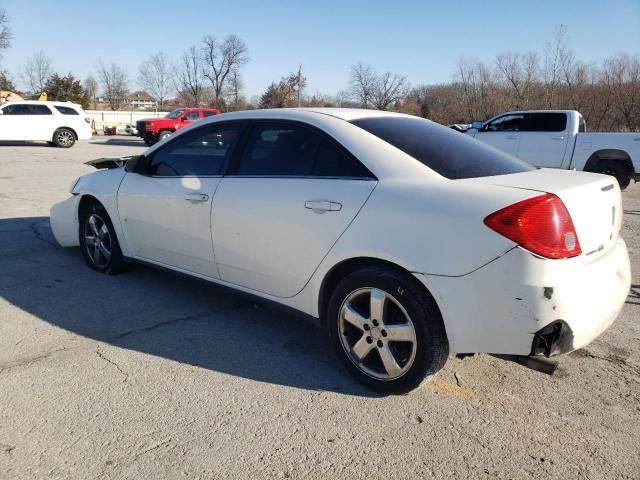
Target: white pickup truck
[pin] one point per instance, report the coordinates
(559, 139)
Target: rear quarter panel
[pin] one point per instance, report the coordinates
(589, 143)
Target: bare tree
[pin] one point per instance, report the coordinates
(36, 72)
(188, 75)
(554, 52)
(5, 33)
(220, 59)
(520, 74)
(389, 89)
(362, 84)
(91, 86)
(154, 75)
(234, 87)
(114, 84)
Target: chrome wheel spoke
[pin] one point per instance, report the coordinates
(389, 361)
(96, 253)
(94, 225)
(377, 303)
(355, 318)
(104, 231)
(103, 250)
(400, 333)
(362, 348)
(89, 240)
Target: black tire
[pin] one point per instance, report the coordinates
(148, 140)
(164, 134)
(93, 255)
(64, 138)
(616, 169)
(406, 301)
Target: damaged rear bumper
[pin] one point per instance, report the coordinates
(521, 304)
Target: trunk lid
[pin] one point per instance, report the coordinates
(593, 201)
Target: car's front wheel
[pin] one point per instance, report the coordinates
(98, 241)
(64, 138)
(386, 329)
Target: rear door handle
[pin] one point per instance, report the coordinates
(321, 206)
(512, 137)
(561, 137)
(196, 197)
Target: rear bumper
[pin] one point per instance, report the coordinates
(521, 304)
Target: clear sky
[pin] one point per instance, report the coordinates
(417, 38)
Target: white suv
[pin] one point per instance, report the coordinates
(57, 123)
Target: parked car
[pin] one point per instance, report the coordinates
(57, 123)
(130, 129)
(405, 239)
(559, 139)
(152, 130)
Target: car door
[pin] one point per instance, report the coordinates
(41, 121)
(544, 139)
(14, 123)
(166, 211)
(503, 132)
(290, 193)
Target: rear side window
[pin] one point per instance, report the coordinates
(547, 122)
(208, 114)
(38, 110)
(274, 149)
(192, 115)
(202, 152)
(66, 110)
(333, 161)
(442, 149)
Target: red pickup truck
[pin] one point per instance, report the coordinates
(152, 130)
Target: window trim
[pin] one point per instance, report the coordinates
(144, 168)
(525, 121)
(236, 157)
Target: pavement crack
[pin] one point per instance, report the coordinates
(29, 361)
(38, 234)
(173, 321)
(101, 355)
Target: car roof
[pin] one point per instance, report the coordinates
(38, 102)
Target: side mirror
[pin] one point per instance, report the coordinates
(477, 124)
(137, 164)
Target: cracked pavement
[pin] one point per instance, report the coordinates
(154, 375)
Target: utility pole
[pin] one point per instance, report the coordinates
(299, 78)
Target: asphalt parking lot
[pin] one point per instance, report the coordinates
(152, 375)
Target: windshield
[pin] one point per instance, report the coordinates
(175, 114)
(442, 149)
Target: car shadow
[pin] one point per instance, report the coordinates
(634, 295)
(25, 144)
(120, 142)
(163, 314)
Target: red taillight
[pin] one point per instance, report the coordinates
(87, 119)
(540, 224)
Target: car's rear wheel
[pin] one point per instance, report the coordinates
(386, 329)
(98, 241)
(64, 138)
(616, 169)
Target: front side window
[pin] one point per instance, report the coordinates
(506, 123)
(442, 149)
(16, 109)
(199, 153)
(192, 115)
(66, 110)
(274, 149)
(38, 110)
(175, 113)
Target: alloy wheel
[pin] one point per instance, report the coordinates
(377, 334)
(64, 138)
(97, 240)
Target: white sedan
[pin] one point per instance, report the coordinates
(405, 239)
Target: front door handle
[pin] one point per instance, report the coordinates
(561, 137)
(512, 137)
(321, 206)
(196, 197)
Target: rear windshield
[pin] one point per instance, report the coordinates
(452, 154)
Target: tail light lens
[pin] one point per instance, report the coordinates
(541, 224)
(87, 119)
